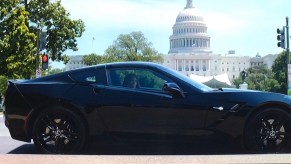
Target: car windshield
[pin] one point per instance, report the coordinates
(185, 78)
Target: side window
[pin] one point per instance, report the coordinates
(97, 76)
(137, 78)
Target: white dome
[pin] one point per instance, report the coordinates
(189, 14)
(189, 32)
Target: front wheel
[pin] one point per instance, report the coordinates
(269, 131)
(59, 131)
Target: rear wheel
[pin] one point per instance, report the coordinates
(269, 131)
(59, 131)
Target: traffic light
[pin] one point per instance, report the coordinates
(43, 40)
(281, 37)
(44, 61)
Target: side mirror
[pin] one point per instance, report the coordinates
(173, 89)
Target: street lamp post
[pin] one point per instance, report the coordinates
(287, 39)
(283, 38)
(288, 60)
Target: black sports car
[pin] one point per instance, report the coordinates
(59, 112)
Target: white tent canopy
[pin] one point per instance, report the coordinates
(223, 78)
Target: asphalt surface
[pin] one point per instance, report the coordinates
(9, 145)
(3, 129)
(132, 144)
(137, 149)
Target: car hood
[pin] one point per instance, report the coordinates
(257, 96)
(240, 90)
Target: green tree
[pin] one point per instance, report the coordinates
(237, 82)
(132, 47)
(259, 78)
(55, 71)
(62, 32)
(3, 84)
(17, 50)
(279, 69)
(20, 21)
(93, 59)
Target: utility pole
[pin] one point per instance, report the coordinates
(287, 39)
(37, 69)
(283, 42)
(288, 60)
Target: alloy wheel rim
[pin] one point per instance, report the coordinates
(58, 134)
(271, 132)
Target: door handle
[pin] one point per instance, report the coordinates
(218, 108)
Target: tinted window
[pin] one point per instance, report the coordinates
(185, 78)
(145, 79)
(97, 76)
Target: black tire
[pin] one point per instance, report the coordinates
(59, 131)
(269, 131)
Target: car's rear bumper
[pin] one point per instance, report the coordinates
(16, 126)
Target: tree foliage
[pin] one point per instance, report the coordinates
(52, 71)
(17, 50)
(132, 47)
(259, 78)
(280, 72)
(93, 59)
(127, 47)
(62, 32)
(3, 84)
(20, 22)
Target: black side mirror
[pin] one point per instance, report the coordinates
(173, 89)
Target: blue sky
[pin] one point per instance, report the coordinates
(246, 26)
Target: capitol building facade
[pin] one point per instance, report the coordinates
(190, 51)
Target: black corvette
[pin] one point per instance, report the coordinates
(59, 112)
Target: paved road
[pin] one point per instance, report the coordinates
(11, 146)
(3, 129)
(127, 145)
(134, 149)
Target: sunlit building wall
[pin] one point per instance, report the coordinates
(190, 51)
(75, 62)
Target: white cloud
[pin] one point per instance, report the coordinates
(232, 24)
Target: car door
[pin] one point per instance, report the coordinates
(129, 110)
(146, 108)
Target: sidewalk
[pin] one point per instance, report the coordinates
(152, 159)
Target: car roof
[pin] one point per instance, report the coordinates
(139, 64)
(132, 63)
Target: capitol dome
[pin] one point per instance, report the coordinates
(189, 32)
(189, 14)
